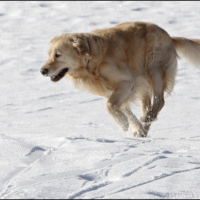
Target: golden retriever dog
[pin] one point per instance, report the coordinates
(133, 61)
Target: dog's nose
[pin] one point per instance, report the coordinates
(44, 71)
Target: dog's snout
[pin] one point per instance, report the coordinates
(44, 71)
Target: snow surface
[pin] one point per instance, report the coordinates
(59, 142)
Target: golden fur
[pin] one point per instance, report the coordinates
(133, 61)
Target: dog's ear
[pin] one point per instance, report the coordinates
(82, 46)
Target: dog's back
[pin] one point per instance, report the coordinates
(136, 43)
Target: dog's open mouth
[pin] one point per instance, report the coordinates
(60, 75)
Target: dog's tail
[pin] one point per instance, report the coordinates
(188, 49)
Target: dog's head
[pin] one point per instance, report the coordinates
(66, 54)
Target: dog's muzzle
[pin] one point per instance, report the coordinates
(60, 75)
(57, 77)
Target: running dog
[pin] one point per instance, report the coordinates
(133, 61)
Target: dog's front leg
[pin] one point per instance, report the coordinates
(138, 129)
(121, 113)
(118, 116)
(114, 103)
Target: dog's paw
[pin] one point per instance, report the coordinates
(149, 118)
(140, 133)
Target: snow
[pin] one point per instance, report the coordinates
(60, 142)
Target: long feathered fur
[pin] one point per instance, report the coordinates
(188, 49)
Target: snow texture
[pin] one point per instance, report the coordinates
(59, 142)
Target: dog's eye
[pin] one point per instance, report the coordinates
(57, 54)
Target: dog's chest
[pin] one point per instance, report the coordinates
(84, 79)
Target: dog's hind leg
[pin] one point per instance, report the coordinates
(158, 83)
(145, 103)
(162, 81)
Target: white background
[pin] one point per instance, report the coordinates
(59, 142)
